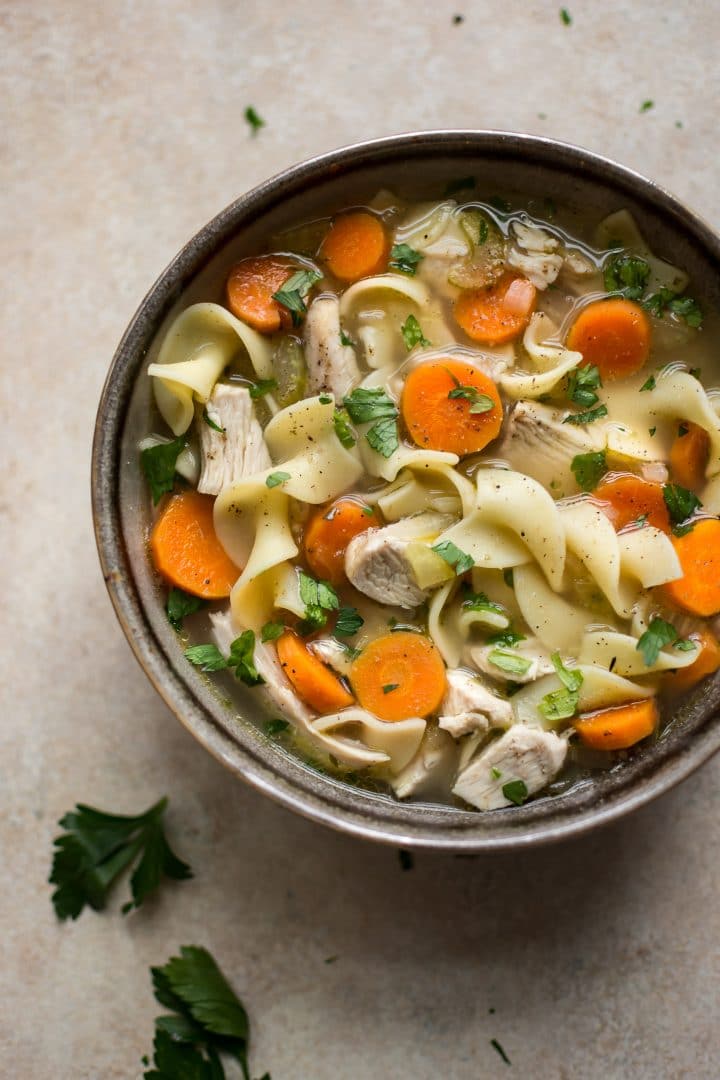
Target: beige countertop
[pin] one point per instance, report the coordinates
(123, 133)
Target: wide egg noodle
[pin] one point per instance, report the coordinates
(397, 741)
(679, 395)
(197, 348)
(605, 648)
(552, 362)
(556, 622)
(590, 535)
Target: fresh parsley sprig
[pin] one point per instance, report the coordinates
(405, 259)
(479, 403)
(372, 405)
(681, 505)
(319, 597)
(97, 847)
(412, 333)
(158, 464)
(349, 621)
(241, 661)
(179, 604)
(293, 293)
(589, 469)
(582, 384)
(626, 275)
(453, 556)
(659, 634)
(588, 417)
(510, 663)
(207, 1020)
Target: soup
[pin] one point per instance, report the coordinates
(439, 481)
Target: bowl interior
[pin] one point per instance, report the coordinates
(525, 170)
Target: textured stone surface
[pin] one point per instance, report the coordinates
(122, 134)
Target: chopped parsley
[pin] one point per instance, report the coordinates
(349, 621)
(683, 306)
(646, 106)
(507, 638)
(453, 556)
(649, 384)
(179, 604)
(495, 773)
(626, 275)
(211, 423)
(276, 478)
(479, 403)
(651, 431)
(383, 437)
(262, 387)
(658, 634)
(640, 522)
(571, 678)
(389, 687)
(276, 727)
(158, 464)
(241, 661)
(559, 704)
(412, 333)
(373, 404)
(515, 791)
(325, 399)
(318, 598)
(460, 184)
(344, 339)
(343, 429)
(97, 847)
(271, 631)
(588, 417)
(681, 505)
(292, 294)
(565, 17)
(405, 259)
(582, 384)
(480, 602)
(589, 469)
(512, 664)
(206, 657)
(254, 120)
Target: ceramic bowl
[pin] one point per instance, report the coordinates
(417, 165)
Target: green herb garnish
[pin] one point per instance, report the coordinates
(292, 294)
(262, 387)
(158, 464)
(179, 604)
(271, 631)
(495, 773)
(505, 638)
(646, 105)
(343, 429)
(412, 333)
(349, 621)
(480, 602)
(649, 384)
(405, 259)
(658, 634)
(254, 120)
(240, 661)
(383, 437)
(515, 791)
(683, 306)
(479, 403)
(571, 678)
(582, 384)
(626, 275)
(680, 502)
(276, 727)
(453, 556)
(318, 597)
(559, 704)
(588, 417)
(276, 478)
(589, 469)
(364, 405)
(389, 687)
(211, 423)
(565, 17)
(513, 664)
(344, 339)
(206, 657)
(97, 847)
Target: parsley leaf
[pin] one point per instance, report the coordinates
(179, 604)
(658, 634)
(344, 339)
(680, 502)
(348, 622)
(571, 678)
(209, 1020)
(582, 384)
(588, 417)
(271, 631)
(262, 387)
(383, 437)
(516, 791)
(514, 665)
(480, 602)
(646, 105)
(343, 429)
(626, 275)
(292, 294)
(241, 660)
(158, 464)
(683, 306)
(364, 405)
(405, 259)
(479, 403)
(325, 399)
(98, 846)
(565, 17)
(211, 423)
(589, 469)
(389, 687)
(649, 384)
(318, 597)
(254, 120)
(508, 638)
(412, 333)
(453, 556)
(276, 478)
(206, 657)
(276, 726)
(559, 704)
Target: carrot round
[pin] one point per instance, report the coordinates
(250, 287)
(496, 315)
(689, 455)
(698, 590)
(315, 683)
(399, 675)
(627, 498)
(186, 550)
(438, 421)
(707, 662)
(328, 533)
(355, 246)
(619, 727)
(612, 334)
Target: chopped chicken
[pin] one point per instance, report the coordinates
(469, 705)
(376, 564)
(332, 366)
(531, 651)
(535, 254)
(579, 264)
(523, 753)
(538, 443)
(236, 451)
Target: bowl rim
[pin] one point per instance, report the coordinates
(692, 752)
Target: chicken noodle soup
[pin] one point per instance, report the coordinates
(444, 480)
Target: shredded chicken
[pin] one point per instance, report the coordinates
(531, 651)
(332, 366)
(376, 564)
(523, 753)
(469, 705)
(239, 448)
(535, 253)
(430, 769)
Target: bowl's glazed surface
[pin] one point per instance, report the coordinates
(418, 165)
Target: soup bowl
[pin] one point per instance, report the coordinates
(417, 165)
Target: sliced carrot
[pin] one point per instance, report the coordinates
(698, 590)
(707, 662)
(438, 421)
(399, 675)
(355, 246)
(618, 727)
(314, 682)
(330, 530)
(612, 334)
(250, 288)
(627, 498)
(689, 455)
(186, 550)
(496, 315)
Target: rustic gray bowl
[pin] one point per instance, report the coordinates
(420, 164)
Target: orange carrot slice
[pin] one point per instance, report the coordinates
(399, 675)
(496, 315)
(437, 405)
(619, 727)
(707, 662)
(250, 287)
(186, 550)
(698, 590)
(315, 683)
(627, 498)
(355, 246)
(689, 455)
(612, 334)
(328, 533)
